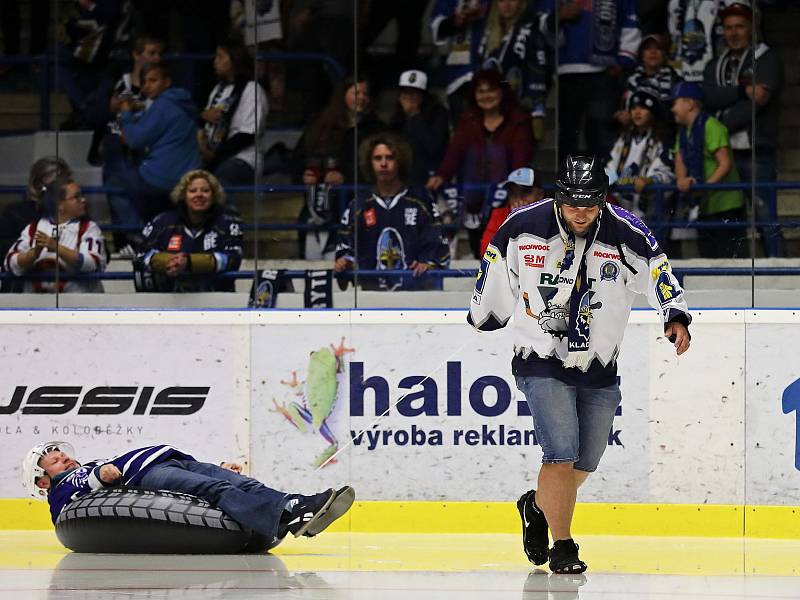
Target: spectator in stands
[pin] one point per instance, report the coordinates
(513, 44)
(394, 227)
(653, 72)
(696, 35)
(593, 53)
(703, 155)
(733, 81)
(19, 214)
(186, 247)
(260, 26)
(639, 156)
(235, 116)
(324, 153)
(202, 24)
(85, 40)
(63, 240)
(493, 137)
(522, 187)
(458, 26)
(166, 131)
(324, 158)
(116, 156)
(425, 124)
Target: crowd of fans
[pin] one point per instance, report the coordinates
(665, 100)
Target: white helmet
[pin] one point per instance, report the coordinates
(31, 471)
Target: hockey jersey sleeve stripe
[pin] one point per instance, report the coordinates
(127, 466)
(156, 455)
(94, 479)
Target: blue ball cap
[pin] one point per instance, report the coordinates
(522, 176)
(686, 89)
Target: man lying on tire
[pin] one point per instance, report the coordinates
(50, 472)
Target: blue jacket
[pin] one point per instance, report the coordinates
(604, 35)
(169, 132)
(133, 465)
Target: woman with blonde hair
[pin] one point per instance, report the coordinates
(186, 247)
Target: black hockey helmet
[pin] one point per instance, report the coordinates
(581, 181)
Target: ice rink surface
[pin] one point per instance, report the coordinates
(34, 565)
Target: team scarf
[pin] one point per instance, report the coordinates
(574, 292)
(691, 142)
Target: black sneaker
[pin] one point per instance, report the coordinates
(342, 501)
(564, 558)
(312, 514)
(304, 510)
(534, 529)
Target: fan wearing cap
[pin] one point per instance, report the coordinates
(639, 156)
(744, 77)
(520, 189)
(703, 155)
(567, 270)
(424, 122)
(652, 72)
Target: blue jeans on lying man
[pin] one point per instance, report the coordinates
(246, 500)
(571, 423)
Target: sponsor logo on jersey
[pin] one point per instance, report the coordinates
(490, 254)
(535, 261)
(543, 247)
(661, 267)
(369, 217)
(610, 255)
(106, 400)
(480, 280)
(609, 271)
(666, 292)
(175, 243)
(550, 279)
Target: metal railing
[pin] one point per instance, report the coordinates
(656, 222)
(433, 274)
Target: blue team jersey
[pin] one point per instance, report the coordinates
(86, 478)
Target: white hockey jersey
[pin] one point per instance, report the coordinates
(520, 276)
(82, 234)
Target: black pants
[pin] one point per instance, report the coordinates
(595, 97)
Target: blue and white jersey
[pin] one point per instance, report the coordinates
(461, 44)
(605, 33)
(86, 478)
(521, 273)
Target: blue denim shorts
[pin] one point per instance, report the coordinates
(571, 423)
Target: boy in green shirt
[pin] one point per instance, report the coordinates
(703, 155)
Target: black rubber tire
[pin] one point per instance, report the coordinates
(134, 521)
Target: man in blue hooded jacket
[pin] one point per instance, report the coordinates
(166, 131)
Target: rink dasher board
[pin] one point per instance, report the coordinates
(703, 433)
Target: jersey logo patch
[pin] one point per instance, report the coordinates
(609, 271)
(369, 218)
(175, 243)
